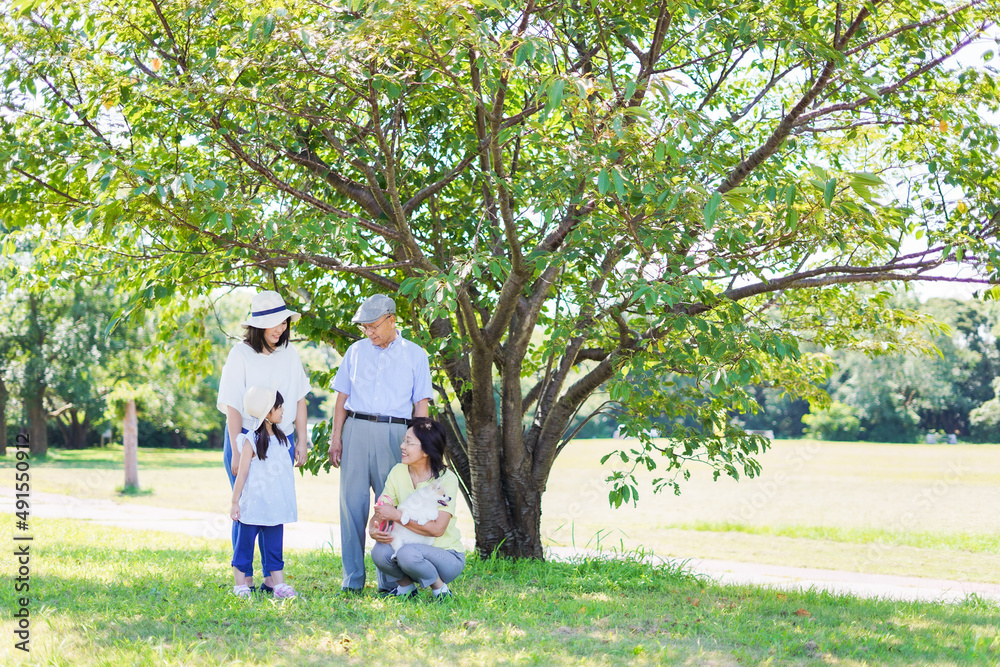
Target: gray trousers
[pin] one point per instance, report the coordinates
(422, 563)
(370, 451)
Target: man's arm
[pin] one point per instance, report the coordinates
(339, 417)
(420, 407)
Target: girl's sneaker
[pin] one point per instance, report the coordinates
(284, 591)
(242, 591)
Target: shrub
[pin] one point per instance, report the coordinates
(837, 422)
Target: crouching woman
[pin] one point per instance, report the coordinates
(433, 565)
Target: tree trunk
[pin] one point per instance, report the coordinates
(510, 466)
(78, 429)
(64, 429)
(508, 517)
(3, 417)
(74, 430)
(38, 434)
(524, 499)
(130, 438)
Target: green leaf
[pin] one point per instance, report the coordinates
(829, 191)
(603, 183)
(870, 91)
(711, 208)
(523, 53)
(866, 178)
(619, 183)
(555, 94)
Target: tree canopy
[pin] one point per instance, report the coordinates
(682, 189)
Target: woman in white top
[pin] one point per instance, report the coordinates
(264, 358)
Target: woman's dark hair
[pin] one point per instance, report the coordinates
(432, 440)
(261, 438)
(254, 337)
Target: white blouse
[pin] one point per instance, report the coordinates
(268, 497)
(281, 370)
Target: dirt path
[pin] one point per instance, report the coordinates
(311, 535)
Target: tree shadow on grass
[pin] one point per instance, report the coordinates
(826, 626)
(176, 605)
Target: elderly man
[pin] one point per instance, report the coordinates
(383, 381)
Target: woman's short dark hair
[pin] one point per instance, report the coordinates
(432, 440)
(254, 337)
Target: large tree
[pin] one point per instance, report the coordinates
(561, 196)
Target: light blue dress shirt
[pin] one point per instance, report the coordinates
(384, 382)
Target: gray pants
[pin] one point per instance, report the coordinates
(422, 563)
(370, 451)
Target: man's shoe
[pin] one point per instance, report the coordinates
(352, 592)
(266, 590)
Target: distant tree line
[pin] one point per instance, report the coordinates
(65, 367)
(70, 364)
(947, 385)
(66, 373)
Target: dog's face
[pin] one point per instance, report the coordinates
(437, 492)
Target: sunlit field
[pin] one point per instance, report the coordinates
(918, 510)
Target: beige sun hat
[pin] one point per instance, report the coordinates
(268, 309)
(257, 403)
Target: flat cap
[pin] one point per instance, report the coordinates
(373, 308)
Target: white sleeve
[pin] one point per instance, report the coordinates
(232, 384)
(422, 385)
(238, 446)
(342, 380)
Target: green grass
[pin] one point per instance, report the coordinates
(105, 596)
(977, 543)
(110, 458)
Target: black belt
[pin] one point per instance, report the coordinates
(382, 419)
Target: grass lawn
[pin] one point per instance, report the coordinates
(914, 510)
(106, 596)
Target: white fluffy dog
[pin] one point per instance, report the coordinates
(421, 506)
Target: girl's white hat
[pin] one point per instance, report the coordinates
(267, 309)
(258, 402)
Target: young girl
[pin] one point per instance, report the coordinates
(263, 494)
